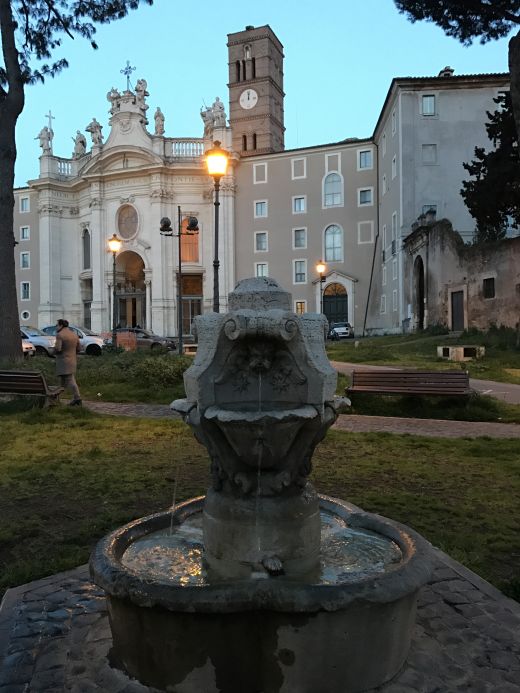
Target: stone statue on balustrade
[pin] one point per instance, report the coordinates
(159, 121)
(219, 114)
(95, 131)
(80, 145)
(141, 93)
(45, 136)
(114, 97)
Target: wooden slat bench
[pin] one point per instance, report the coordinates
(29, 384)
(411, 382)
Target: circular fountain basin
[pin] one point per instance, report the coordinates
(345, 629)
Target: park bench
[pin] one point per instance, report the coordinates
(29, 384)
(411, 382)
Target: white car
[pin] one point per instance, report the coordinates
(90, 343)
(341, 330)
(43, 343)
(28, 348)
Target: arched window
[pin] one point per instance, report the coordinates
(86, 249)
(333, 190)
(333, 244)
(254, 140)
(244, 69)
(237, 69)
(244, 143)
(189, 244)
(247, 52)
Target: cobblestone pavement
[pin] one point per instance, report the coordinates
(55, 637)
(350, 422)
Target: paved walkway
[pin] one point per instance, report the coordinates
(353, 423)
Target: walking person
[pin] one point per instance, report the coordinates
(67, 347)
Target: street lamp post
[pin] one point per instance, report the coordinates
(166, 230)
(216, 161)
(321, 268)
(114, 245)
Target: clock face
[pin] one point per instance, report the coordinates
(127, 222)
(248, 99)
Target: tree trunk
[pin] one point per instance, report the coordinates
(514, 71)
(11, 105)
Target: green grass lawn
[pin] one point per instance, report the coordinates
(501, 361)
(67, 477)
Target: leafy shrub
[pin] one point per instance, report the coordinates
(163, 370)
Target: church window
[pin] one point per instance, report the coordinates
(244, 143)
(86, 249)
(253, 68)
(244, 77)
(247, 52)
(333, 190)
(254, 140)
(237, 70)
(189, 243)
(333, 244)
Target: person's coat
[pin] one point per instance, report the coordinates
(67, 346)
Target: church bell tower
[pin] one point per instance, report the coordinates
(256, 91)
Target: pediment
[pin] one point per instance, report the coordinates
(124, 158)
(336, 275)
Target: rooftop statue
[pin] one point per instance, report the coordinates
(45, 136)
(159, 121)
(80, 145)
(95, 131)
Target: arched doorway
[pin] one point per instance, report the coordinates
(335, 303)
(418, 303)
(130, 290)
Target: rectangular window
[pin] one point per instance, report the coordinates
(259, 173)
(489, 287)
(25, 233)
(25, 260)
(299, 238)
(260, 209)
(382, 308)
(300, 271)
(365, 232)
(261, 269)
(25, 291)
(298, 168)
(384, 184)
(394, 226)
(383, 276)
(429, 154)
(299, 205)
(365, 197)
(364, 159)
(394, 299)
(383, 146)
(300, 307)
(394, 166)
(394, 123)
(394, 269)
(428, 105)
(261, 241)
(385, 240)
(24, 204)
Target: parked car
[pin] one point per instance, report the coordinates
(146, 339)
(340, 330)
(90, 343)
(28, 348)
(43, 343)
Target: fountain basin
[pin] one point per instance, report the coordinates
(270, 635)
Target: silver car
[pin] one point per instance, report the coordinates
(43, 343)
(90, 343)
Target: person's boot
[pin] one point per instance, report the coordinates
(75, 403)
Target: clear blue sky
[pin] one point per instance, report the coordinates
(340, 57)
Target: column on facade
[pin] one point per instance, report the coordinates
(51, 305)
(101, 263)
(227, 240)
(162, 318)
(148, 299)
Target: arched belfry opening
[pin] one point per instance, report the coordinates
(418, 292)
(130, 290)
(335, 302)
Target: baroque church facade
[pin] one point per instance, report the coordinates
(349, 203)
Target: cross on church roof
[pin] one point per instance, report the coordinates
(127, 70)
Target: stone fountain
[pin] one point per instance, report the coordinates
(262, 586)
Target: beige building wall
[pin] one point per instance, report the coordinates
(282, 199)
(27, 255)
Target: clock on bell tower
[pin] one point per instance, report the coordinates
(256, 91)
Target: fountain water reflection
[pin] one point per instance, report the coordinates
(347, 554)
